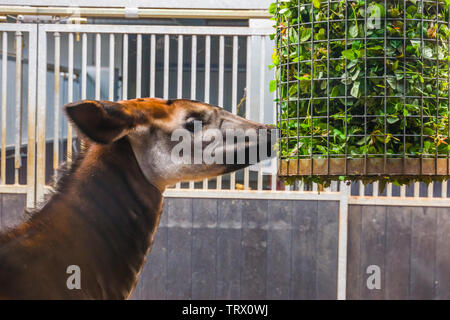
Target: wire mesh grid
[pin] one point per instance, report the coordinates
(363, 87)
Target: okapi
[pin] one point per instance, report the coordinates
(106, 207)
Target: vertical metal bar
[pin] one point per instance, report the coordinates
(437, 86)
(41, 116)
(403, 191)
(194, 67)
(430, 188)
(83, 65)
(207, 80)
(385, 95)
(234, 74)
(84, 76)
(56, 103)
(301, 185)
(448, 113)
(98, 64)
(416, 189)
(207, 67)
(389, 190)
(262, 91)
(166, 66)
(274, 175)
(444, 189)
(111, 67)
(125, 68)
(31, 147)
(346, 87)
(376, 189)
(422, 89)
(361, 189)
(180, 68)
(4, 106)
(18, 120)
(70, 96)
(328, 88)
(152, 64)
(221, 75)
(312, 93)
(138, 65)
(248, 84)
(193, 79)
(342, 242)
(287, 90)
(403, 188)
(180, 78)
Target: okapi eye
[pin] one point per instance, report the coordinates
(190, 125)
(194, 120)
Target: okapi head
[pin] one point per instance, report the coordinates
(156, 127)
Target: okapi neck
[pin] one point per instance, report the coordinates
(121, 211)
(103, 219)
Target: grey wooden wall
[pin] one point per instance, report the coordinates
(276, 249)
(11, 209)
(411, 245)
(243, 249)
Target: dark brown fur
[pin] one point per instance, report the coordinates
(102, 218)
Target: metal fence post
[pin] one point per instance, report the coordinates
(342, 242)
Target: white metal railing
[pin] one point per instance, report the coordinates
(117, 57)
(19, 178)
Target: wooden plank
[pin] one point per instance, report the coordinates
(304, 235)
(398, 252)
(279, 249)
(12, 209)
(152, 280)
(327, 249)
(354, 252)
(373, 243)
(179, 249)
(254, 249)
(443, 254)
(229, 236)
(423, 250)
(204, 237)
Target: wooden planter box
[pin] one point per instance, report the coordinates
(365, 167)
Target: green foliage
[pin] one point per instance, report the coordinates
(356, 78)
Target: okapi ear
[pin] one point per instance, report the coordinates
(100, 121)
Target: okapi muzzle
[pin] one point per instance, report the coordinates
(106, 207)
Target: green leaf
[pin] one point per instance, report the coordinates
(355, 89)
(353, 31)
(273, 8)
(355, 75)
(392, 120)
(272, 85)
(427, 52)
(349, 54)
(306, 34)
(316, 4)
